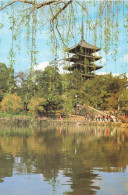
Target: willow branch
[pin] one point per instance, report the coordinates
(60, 35)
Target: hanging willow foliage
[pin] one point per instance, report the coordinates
(62, 19)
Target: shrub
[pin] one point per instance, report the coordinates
(12, 103)
(35, 105)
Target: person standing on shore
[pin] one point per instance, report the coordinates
(107, 117)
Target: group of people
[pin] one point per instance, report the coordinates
(90, 117)
(98, 118)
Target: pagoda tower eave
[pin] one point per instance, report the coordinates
(75, 58)
(85, 45)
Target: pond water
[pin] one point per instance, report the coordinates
(63, 160)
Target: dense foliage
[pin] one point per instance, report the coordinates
(35, 105)
(6, 80)
(48, 92)
(12, 103)
(61, 19)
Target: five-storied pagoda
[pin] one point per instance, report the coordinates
(84, 57)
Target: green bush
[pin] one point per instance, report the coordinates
(35, 105)
(12, 103)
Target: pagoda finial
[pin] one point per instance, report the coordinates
(82, 30)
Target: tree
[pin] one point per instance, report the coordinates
(67, 106)
(6, 80)
(118, 94)
(12, 103)
(26, 86)
(95, 92)
(106, 92)
(4, 74)
(49, 87)
(35, 105)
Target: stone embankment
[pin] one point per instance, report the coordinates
(70, 121)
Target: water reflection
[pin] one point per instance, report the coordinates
(71, 160)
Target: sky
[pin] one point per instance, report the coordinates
(22, 59)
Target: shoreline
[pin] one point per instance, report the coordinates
(26, 120)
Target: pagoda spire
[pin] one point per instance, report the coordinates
(82, 31)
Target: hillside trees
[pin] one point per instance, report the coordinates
(49, 91)
(106, 92)
(118, 93)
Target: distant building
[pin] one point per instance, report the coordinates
(84, 57)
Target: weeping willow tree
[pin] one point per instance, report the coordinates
(61, 19)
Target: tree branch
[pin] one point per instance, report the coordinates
(27, 2)
(33, 4)
(7, 5)
(47, 3)
(37, 6)
(63, 8)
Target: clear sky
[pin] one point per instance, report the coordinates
(22, 59)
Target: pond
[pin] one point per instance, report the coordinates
(71, 160)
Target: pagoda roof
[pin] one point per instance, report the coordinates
(76, 57)
(83, 44)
